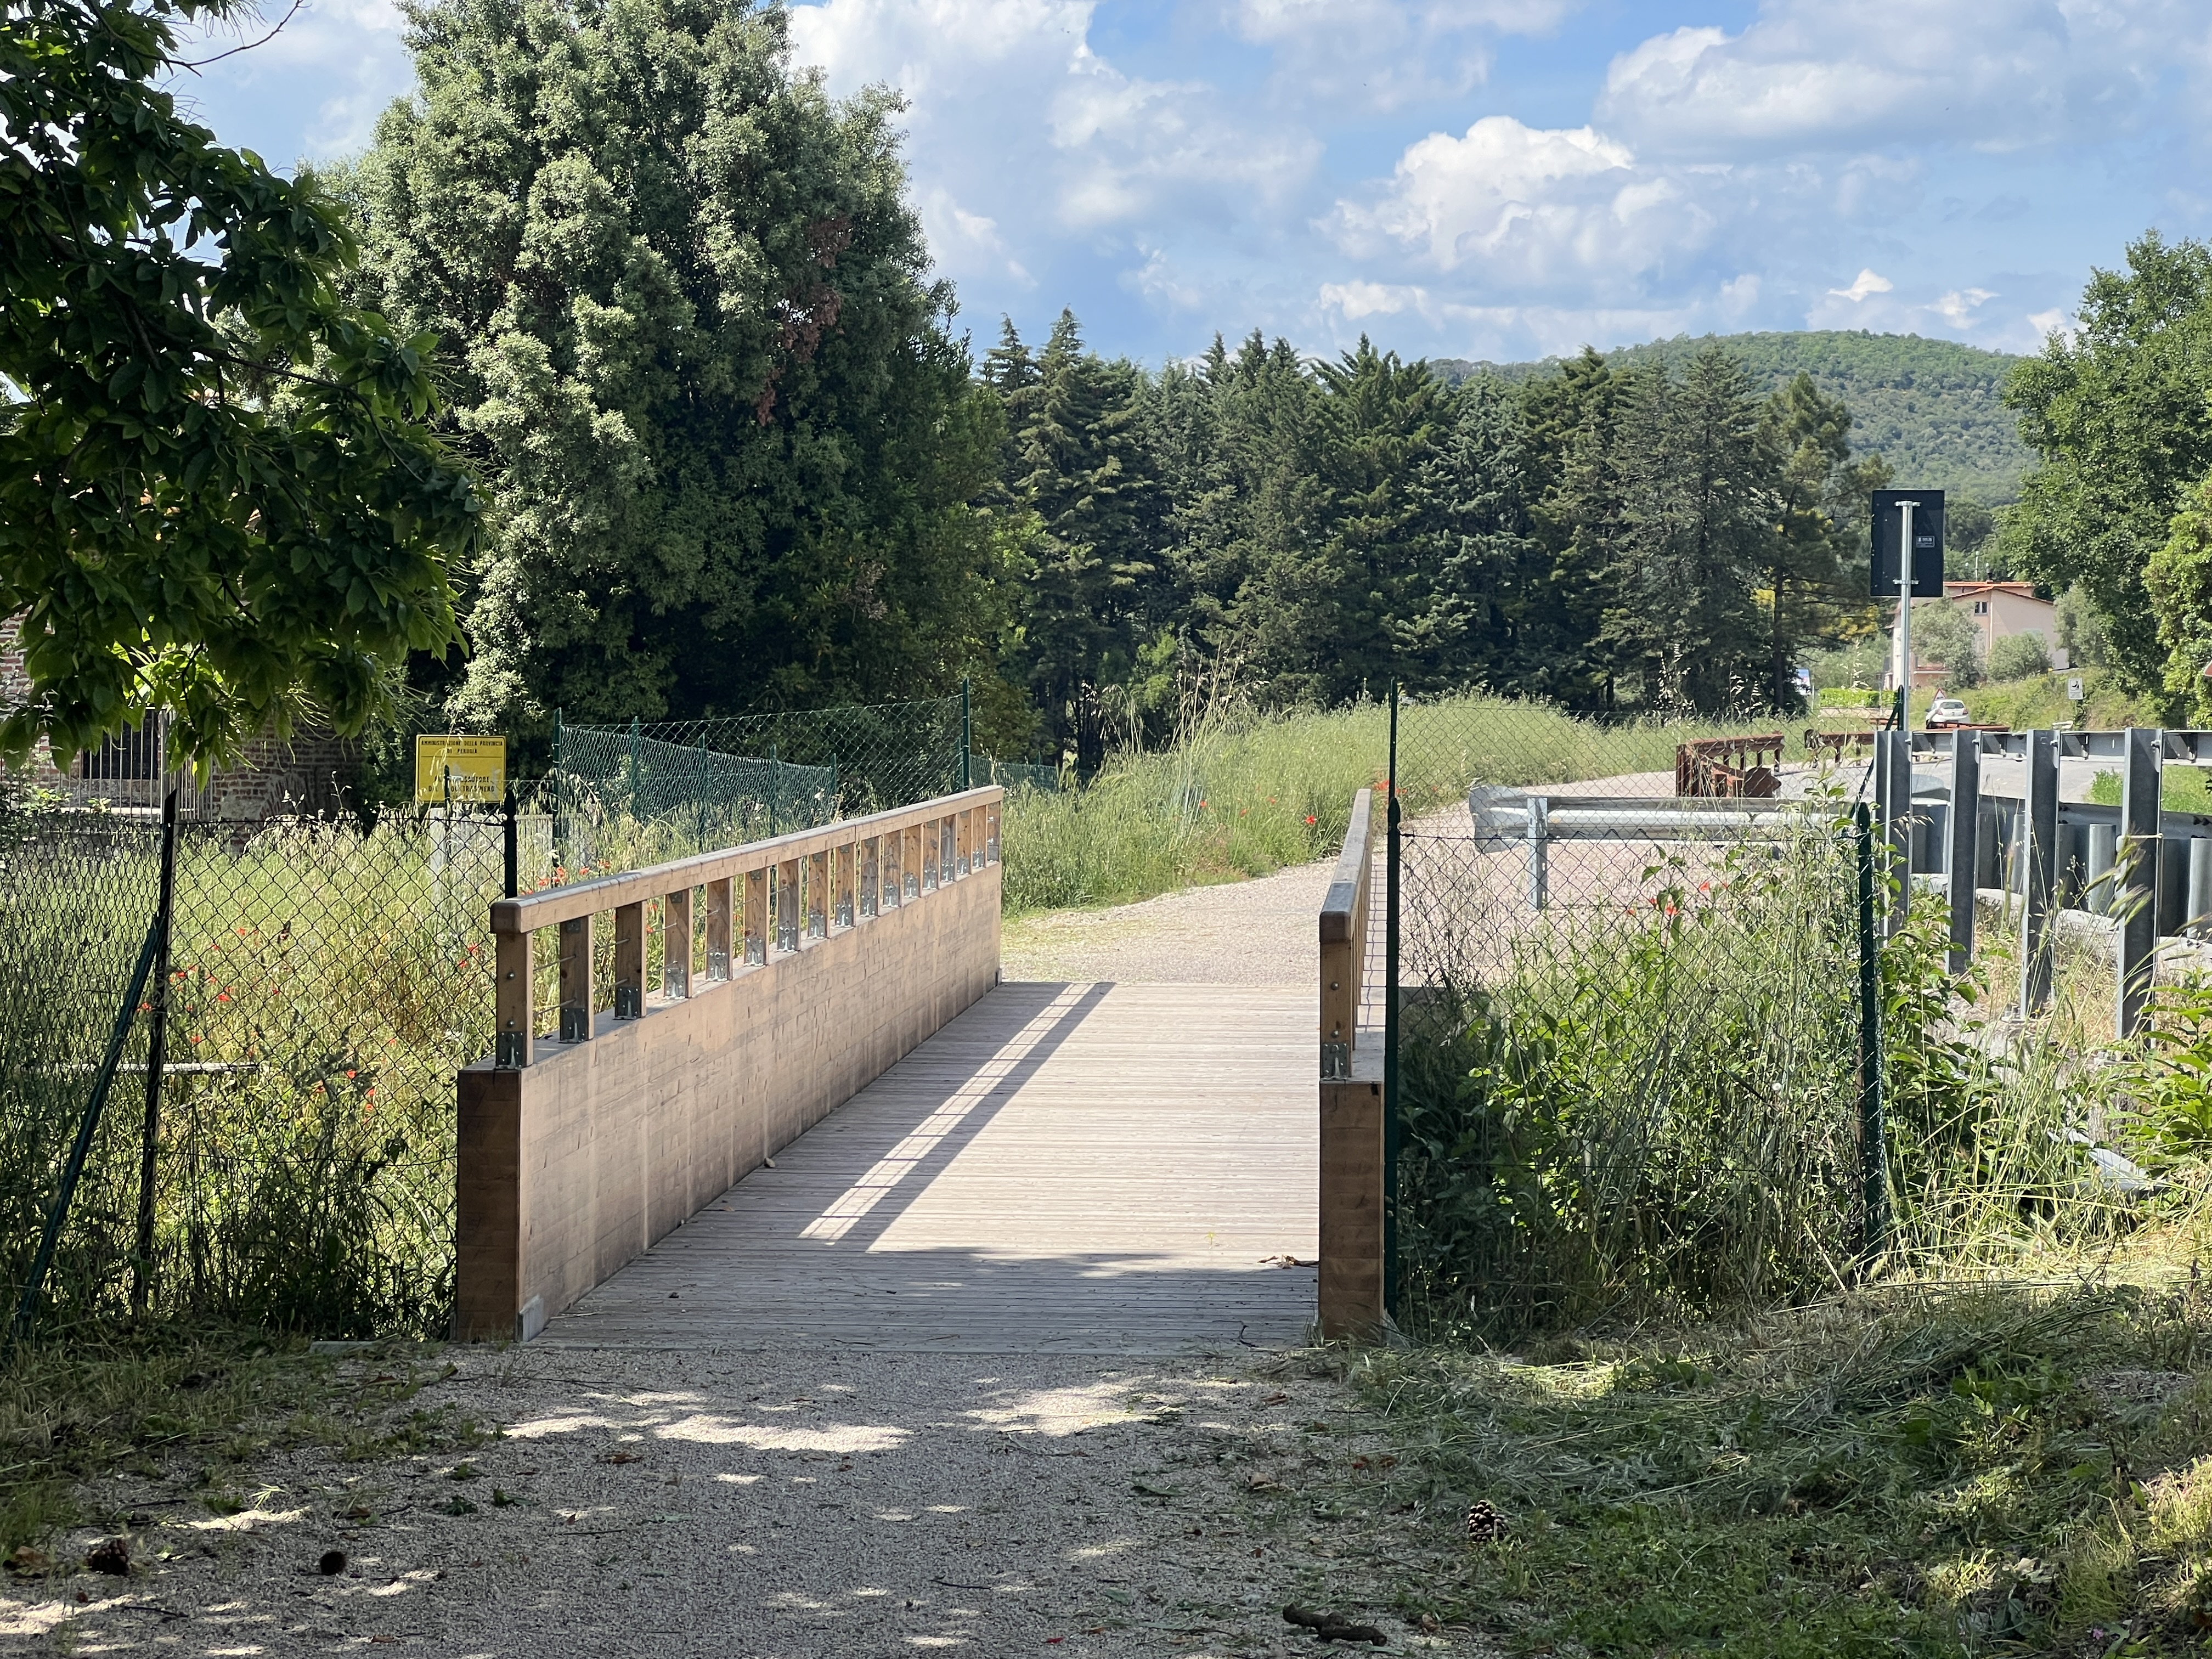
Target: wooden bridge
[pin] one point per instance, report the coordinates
(798, 1103)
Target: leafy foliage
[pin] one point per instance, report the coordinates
(2122, 417)
(217, 494)
(728, 438)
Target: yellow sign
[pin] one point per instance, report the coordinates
(450, 767)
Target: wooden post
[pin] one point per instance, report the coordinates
(868, 878)
(963, 838)
(629, 961)
(910, 862)
(755, 938)
(511, 1004)
(848, 884)
(675, 945)
(1965, 827)
(2039, 869)
(1350, 1292)
(2136, 895)
(789, 920)
(718, 928)
(817, 896)
(576, 979)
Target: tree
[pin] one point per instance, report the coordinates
(1376, 424)
(1819, 511)
(2179, 579)
(1087, 475)
(2018, 657)
(1942, 633)
(732, 446)
(2121, 415)
(1697, 485)
(217, 494)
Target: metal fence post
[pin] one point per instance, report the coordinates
(1893, 780)
(1873, 1161)
(1965, 825)
(967, 736)
(73, 1169)
(2136, 878)
(1390, 1028)
(2038, 885)
(157, 1035)
(511, 836)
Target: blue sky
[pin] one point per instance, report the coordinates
(1494, 179)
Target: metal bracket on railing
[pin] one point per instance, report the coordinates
(507, 1051)
(1335, 1060)
(629, 1005)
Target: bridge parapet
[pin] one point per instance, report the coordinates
(818, 960)
(1351, 1152)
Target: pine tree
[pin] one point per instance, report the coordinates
(1089, 478)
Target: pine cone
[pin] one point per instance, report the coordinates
(1484, 1523)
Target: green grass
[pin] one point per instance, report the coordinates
(1920, 1468)
(1249, 794)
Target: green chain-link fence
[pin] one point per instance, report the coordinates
(1626, 1072)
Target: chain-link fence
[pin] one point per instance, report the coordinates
(322, 987)
(740, 777)
(1652, 1053)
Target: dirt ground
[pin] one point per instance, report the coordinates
(771, 1507)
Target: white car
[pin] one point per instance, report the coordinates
(1946, 711)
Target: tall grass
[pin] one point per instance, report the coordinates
(1244, 794)
(325, 988)
(1648, 1108)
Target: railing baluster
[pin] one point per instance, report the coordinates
(756, 917)
(676, 945)
(629, 961)
(576, 979)
(718, 928)
(511, 1000)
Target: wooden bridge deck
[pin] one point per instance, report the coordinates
(1065, 1168)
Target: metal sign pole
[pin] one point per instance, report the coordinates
(1904, 615)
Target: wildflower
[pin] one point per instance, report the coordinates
(349, 1073)
(1310, 819)
(195, 1039)
(222, 996)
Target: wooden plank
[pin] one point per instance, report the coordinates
(719, 965)
(511, 999)
(1061, 1168)
(629, 961)
(576, 979)
(676, 943)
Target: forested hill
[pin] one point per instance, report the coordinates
(1934, 408)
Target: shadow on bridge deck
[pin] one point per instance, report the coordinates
(1065, 1168)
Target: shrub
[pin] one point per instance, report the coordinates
(2018, 657)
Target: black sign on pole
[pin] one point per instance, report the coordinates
(1927, 543)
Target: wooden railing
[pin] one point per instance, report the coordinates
(1351, 1303)
(1344, 940)
(763, 902)
(1729, 766)
(817, 961)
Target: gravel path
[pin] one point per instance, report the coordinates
(1263, 931)
(794, 1506)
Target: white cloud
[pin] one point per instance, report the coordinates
(1356, 300)
(2053, 321)
(1958, 307)
(1521, 207)
(1996, 74)
(1869, 281)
